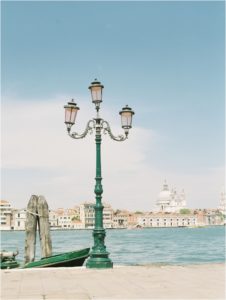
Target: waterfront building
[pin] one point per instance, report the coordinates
(120, 219)
(77, 224)
(132, 219)
(167, 220)
(169, 200)
(208, 217)
(65, 218)
(87, 215)
(213, 217)
(107, 216)
(5, 215)
(19, 219)
(222, 206)
(200, 215)
(53, 219)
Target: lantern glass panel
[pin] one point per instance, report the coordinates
(70, 114)
(96, 92)
(73, 114)
(67, 114)
(126, 119)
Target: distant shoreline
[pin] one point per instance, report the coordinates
(144, 228)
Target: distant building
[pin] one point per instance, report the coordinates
(222, 206)
(213, 217)
(5, 215)
(19, 219)
(87, 215)
(167, 220)
(120, 219)
(53, 219)
(65, 218)
(77, 224)
(107, 216)
(132, 219)
(170, 201)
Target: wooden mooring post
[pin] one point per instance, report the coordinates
(37, 214)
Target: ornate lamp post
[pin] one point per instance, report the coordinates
(99, 255)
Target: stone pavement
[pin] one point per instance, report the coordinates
(122, 282)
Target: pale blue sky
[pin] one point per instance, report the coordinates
(164, 59)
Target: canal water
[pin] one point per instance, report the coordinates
(137, 246)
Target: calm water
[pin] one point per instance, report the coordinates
(138, 247)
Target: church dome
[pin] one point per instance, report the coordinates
(165, 195)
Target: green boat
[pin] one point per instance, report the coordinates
(68, 259)
(9, 264)
(7, 260)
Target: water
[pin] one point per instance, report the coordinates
(138, 246)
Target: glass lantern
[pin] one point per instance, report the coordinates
(71, 110)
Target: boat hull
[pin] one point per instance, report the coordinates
(9, 264)
(68, 259)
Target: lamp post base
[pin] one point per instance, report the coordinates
(99, 255)
(99, 263)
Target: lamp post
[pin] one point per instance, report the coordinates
(99, 255)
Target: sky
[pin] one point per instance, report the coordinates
(163, 59)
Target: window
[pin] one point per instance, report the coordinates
(18, 223)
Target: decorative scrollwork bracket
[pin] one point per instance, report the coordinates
(89, 128)
(107, 129)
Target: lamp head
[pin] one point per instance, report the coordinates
(96, 92)
(71, 110)
(126, 118)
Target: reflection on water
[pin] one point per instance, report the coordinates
(138, 246)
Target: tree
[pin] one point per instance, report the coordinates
(185, 211)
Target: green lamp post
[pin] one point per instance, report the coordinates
(99, 255)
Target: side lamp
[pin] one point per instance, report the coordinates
(126, 118)
(71, 110)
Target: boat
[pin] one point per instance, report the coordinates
(68, 259)
(8, 260)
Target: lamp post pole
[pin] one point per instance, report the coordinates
(99, 255)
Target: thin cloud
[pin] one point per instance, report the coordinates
(39, 158)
